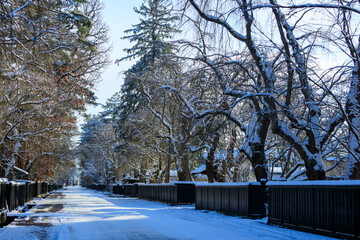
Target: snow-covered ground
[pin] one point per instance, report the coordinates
(78, 213)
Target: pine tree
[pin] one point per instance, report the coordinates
(156, 25)
(150, 34)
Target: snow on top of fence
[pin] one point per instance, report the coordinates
(227, 184)
(16, 183)
(315, 183)
(3, 180)
(185, 182)
(155, 184)
(202, 183)
(195, 183)
(25, 181)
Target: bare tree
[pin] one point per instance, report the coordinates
(291, 103)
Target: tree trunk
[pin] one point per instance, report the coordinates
(237, 164)
(235, 173)
(312, 170)
(256, 137)
(157, 177)
(259, 161)
(143, 171)
(352, 111)
(222, 175)
(230, 157)
(167, 167)
(184, 171)
(210, 158)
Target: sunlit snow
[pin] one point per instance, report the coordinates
(87, 214)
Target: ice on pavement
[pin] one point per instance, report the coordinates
(87, 214)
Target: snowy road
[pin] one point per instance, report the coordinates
(78, 213)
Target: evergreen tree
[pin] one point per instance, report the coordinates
(110, 109)
(156, 25)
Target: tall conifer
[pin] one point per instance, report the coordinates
(156, 25)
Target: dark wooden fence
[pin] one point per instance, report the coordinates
(237, 199)
(2, 194)
(186, 192)
(174, 193)
(16, 193)
(159, 192)
(30, 191)
(118, 189)
(131, 190)
(98, 187)
(325, 207)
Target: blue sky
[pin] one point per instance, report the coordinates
(119, 16)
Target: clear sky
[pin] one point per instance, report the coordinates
(119, 16)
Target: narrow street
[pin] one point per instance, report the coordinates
(79, 213)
